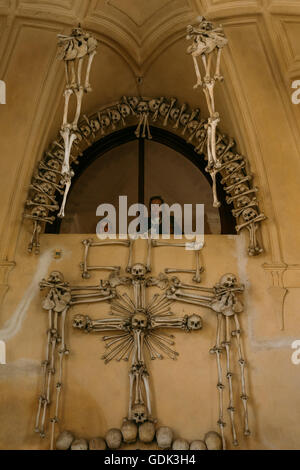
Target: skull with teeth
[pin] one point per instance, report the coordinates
(164, 109)
(243, 201)
(40, 212)
(249, 214)
(143, 107)
(85, 130)
(185, 117)
(240, 189)
(50, 176)
(53, 164)
(139, 413)
(95, 125)
(40, 199)
(59, 154)
(133, 101)
(124, 110)
(194, 322)
(79, 322)
(228, 156)
(56, 277)
(139, 321)
(139, 270)
(228, 280)
(47, 188)
(104, 121)
(175, 114)
(115, 116)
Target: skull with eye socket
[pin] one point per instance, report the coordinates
(139, 413)
(143, 107)
(249, 214)
(154, 105)
(139, 271)
(139, 321)
(194, 322)
(79, 322)
(56, 277)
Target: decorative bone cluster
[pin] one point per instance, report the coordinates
(44, 198)
(221, 299)
(207, 42)
(137, 326)
(73, 50)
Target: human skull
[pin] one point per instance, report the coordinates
(236, 177)
(50, 176)
(56, 277)
(105, 120)
(192, 126)
(95, 125)
(194, 322)
(185, 117)
(139, 270)
(243, 201)
(113, 439)
(124, 110)
(240, 189)
(164, 437)
(231, 168)
(249, 214)
(143, 107)
(133, 101)
(139, 321)
(139, 413)
(220, 147)
(85, 130)
(180, 444)
(115, 116)
(164, 109)
(213, 441)
(79, 321)
(59, 154)
(47, 188)
(40, 199)
(175, 114)
(228, 280)
(154, 105)
(53, 164)
(39, 212)
(228, 156)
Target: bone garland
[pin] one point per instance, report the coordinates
(208, 41)
(89, 243)
(57, 303)
(73, 50)
(234, 169)
(136, 323)
(222, 299)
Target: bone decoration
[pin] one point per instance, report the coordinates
(47, 190)
(74, 50)
(223, 300)
(136, 327)
(208, 41)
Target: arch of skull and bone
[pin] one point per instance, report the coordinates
(140, 328)
(55, 173)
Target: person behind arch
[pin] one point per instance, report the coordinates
(155, 217)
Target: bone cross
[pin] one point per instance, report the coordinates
(138, 326)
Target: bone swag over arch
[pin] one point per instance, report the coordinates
(47, 186)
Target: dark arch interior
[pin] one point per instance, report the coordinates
(161, 136)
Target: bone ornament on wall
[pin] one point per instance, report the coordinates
(221, 299)
(207, 42)
(73, 50)
(137, 326)
(46, 189)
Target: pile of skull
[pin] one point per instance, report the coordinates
(145, 433)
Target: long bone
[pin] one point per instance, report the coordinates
(254, 247)
(231, 410)
(89, 243)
